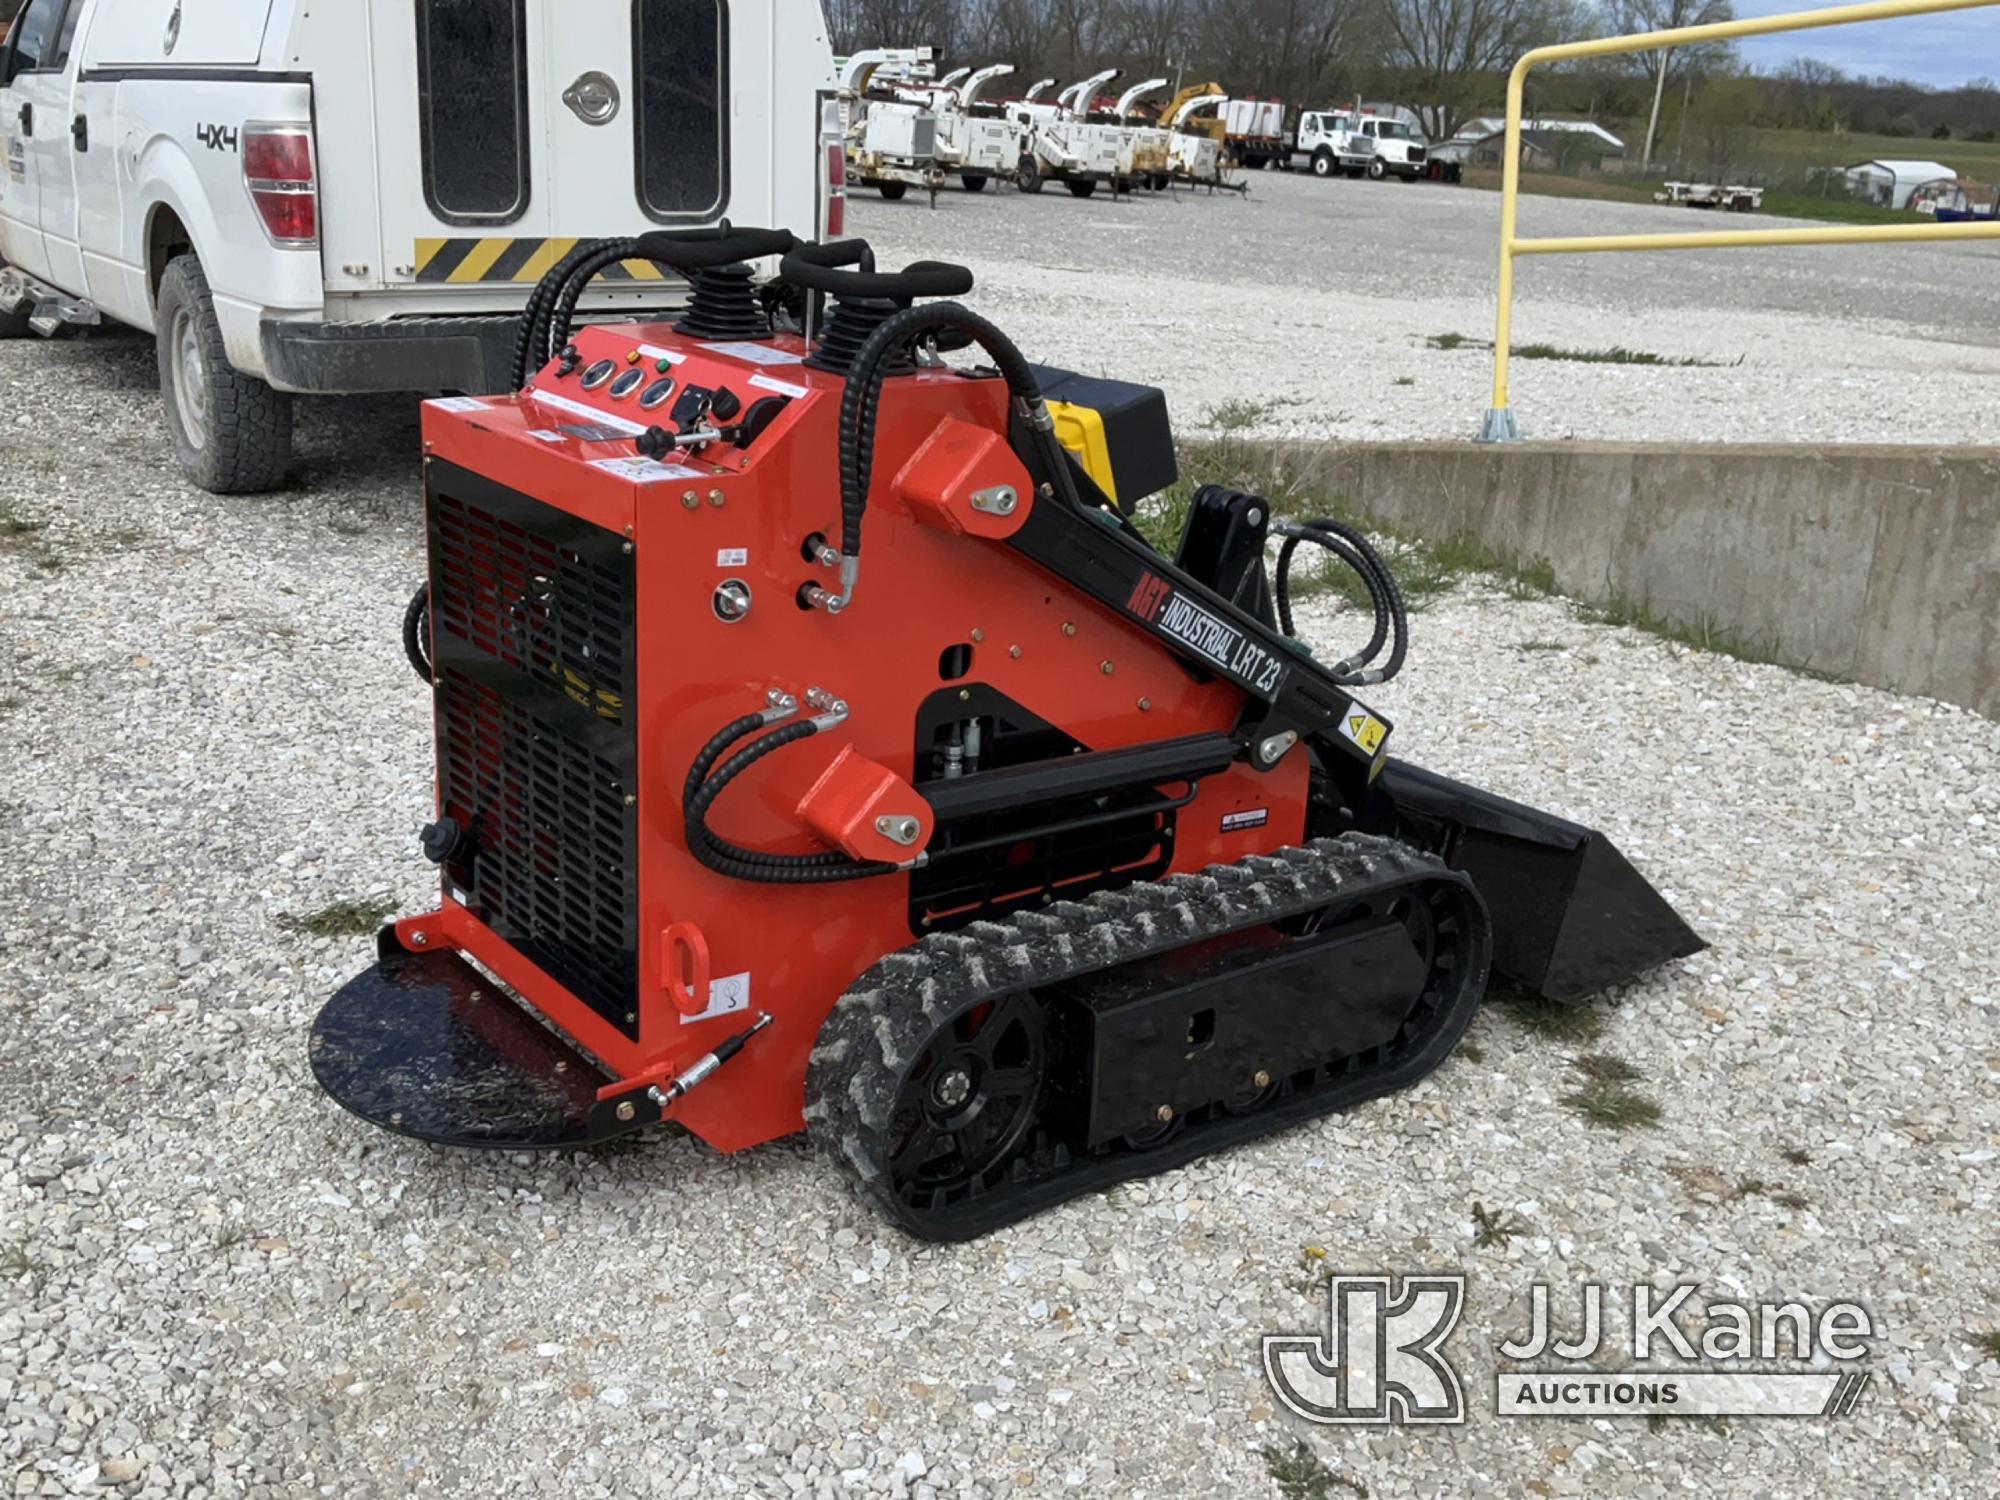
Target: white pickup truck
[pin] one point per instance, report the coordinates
(356, 195)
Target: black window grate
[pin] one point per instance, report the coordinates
(472, 63)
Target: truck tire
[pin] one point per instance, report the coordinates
(232, 432)
(892, 190)
(1323, 163)
(974, 182)
(1029, 178)
(1081, 187)
(1377, 170)
(13, 325)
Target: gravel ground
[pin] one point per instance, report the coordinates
(214, 1282)
(1317, 300)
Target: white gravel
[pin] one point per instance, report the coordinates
(214, 1282)
(1318, 299)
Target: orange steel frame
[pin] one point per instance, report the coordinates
(923, 590)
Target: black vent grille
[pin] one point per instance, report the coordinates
(552, 837)
(521, 598)
(533, 612)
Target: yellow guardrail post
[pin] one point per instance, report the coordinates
(1499, 426)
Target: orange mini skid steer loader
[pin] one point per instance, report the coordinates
(1022, 861)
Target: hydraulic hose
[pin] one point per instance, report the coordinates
(417, 633)
(1392, 622)
(531, 339)
(862, 401)
(733, 860)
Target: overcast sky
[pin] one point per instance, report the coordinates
(1943, 49)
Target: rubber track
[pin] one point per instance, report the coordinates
(881, 1024)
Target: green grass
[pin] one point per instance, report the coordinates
(343, 918)
(1601, 1068)
(1491, 1227)
(1612, 1107)
(1616, 355)
(1302, 1475)
(1234, 416)
(1553, 1022)
(1703, 633)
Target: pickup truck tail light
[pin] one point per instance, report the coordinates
(278, 171)
(836, 192)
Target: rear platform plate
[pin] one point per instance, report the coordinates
(425, 1045)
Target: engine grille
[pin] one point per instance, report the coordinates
(532, 629)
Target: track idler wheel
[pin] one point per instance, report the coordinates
(983, 1075)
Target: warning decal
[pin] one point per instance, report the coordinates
(1252, 817)
(1363, 728)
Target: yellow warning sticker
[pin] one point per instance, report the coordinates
(1363, 728)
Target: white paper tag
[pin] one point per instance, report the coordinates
(547, 437)
(764, 382)
(644, 470)
(732, 557)
(653, 351)
(755, 354)
(727, 994)
(458, 404)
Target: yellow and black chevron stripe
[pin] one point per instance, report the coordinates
(471, 262)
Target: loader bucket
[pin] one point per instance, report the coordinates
(1571, 916)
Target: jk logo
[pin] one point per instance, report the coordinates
(1378, 1360)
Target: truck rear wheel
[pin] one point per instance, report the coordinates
(892, 190)
(974, 182)
(1081, 187)
(232, 432)
(13, 325)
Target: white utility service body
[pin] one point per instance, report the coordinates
(889, 94)
(366, 191)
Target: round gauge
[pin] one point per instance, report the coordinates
(656, 393)
(598, 373)
(627, 383)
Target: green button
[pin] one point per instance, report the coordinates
(664, 365)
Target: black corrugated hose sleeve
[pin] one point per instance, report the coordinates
(416, 633)
(1390, 611)
(1377, 596)
(752, 864)
(531, 340)
(607, 254)
(862, 398)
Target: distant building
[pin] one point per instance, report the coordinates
(1890, 183)
(1489, 125)
(1541, 150)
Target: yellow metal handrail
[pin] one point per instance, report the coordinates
(1499, 425)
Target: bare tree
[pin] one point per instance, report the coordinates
(1664, 65)
(1449, 50)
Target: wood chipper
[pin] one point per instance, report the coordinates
(820, 746)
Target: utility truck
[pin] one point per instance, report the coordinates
(300, 197)
(1329, 141)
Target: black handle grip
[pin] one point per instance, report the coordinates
(823, 268)
(724, 245)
